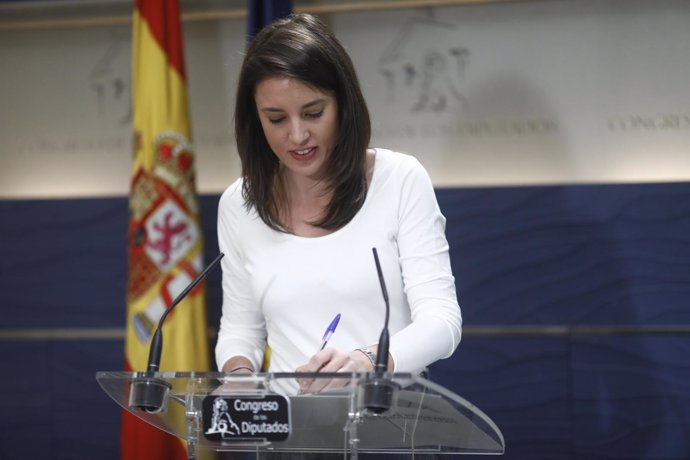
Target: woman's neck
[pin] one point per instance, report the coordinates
(304, 201)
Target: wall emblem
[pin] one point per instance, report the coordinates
(424, 67)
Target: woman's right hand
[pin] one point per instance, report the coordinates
(332, 360)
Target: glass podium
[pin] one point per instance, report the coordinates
(360, 413)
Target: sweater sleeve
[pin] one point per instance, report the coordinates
(242, 326)
(429, 285)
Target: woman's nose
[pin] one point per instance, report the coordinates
(298, 133)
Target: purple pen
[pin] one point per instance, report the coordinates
(329, 331)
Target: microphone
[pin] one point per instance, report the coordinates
(156, 346)
(148, 393)
(379, 393)
(384, 340)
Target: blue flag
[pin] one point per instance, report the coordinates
(263, 12)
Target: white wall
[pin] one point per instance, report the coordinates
(524, 93)
(537, 92)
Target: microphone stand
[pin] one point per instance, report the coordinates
(378, 391)
(149, 393)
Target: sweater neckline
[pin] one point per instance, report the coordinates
(367, 199)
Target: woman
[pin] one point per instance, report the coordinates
(299, 226)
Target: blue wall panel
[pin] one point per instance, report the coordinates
(631, 397)
(80, 402)
(52, 405)
(64, 263)
(27, 400)
(587, 254)
(522, 384)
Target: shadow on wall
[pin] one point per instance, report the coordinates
(509, 133)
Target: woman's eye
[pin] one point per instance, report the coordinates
(314, 114)
(275, 121)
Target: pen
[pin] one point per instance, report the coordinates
(329, 331)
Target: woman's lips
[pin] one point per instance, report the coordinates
(303, 154)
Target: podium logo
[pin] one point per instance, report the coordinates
(221, 422)
(230, 418)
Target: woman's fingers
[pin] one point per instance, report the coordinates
(315, 363)
(326, 361)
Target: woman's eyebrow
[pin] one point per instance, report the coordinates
(305, 106)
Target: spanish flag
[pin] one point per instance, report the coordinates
(165, 239)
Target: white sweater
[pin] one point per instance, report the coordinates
(286, 289)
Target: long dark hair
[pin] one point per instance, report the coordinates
(301, 47)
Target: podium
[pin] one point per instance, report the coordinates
(360, 413)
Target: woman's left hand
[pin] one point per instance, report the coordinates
(332, 360)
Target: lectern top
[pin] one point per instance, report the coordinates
(368, 413)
